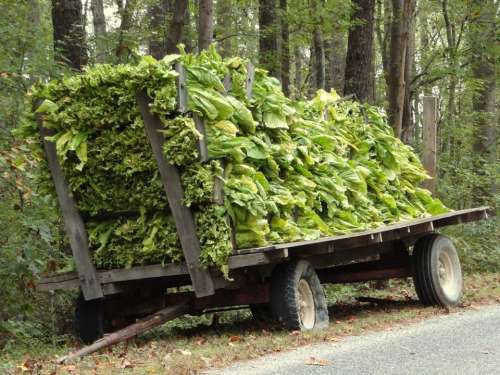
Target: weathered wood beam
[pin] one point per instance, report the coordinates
(250, 79)
(184, 221)
(73, 222)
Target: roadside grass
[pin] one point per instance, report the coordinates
(192, 344)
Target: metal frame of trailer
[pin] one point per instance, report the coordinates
(125, 295)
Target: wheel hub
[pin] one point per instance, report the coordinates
(306, 305)
(446, 274)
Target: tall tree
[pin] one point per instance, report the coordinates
(383, 21)
(318, 46)
(297, 56)
(126, 11)
(176, 32)
(285, 48)
(335, 57)
(358, 73)
(69, 34)
(187, 32)
(268, 36)
(483, 58)
(401, 11)
(99, 23)
(157, 13)
(407, 122)
(224, 27)
(205, 24)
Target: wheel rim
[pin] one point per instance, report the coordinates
(306, 304)
(447, 275)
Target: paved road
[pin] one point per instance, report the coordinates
(461, 343)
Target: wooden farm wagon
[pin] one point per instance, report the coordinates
(282, 280)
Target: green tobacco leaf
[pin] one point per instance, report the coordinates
(290, 169)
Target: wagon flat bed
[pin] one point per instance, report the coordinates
(339, 248)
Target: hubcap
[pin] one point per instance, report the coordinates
(447, 277)
(306, 304)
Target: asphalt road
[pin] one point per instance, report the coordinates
(460, 343)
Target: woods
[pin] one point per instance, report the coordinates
(390, 53)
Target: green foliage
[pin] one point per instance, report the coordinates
(293, 169)
(477, 245)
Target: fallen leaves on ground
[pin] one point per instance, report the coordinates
(313, 361)
(126, 364)
(182, 352)
(234, 338)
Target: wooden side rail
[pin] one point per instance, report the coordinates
(73, 222)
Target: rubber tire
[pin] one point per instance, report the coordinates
(425, 264)
(88, 319)
(284, 295)
(262, 312)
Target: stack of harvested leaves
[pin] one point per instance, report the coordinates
(292, 170)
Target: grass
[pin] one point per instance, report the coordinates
(192, 344)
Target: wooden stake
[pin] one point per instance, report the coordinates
(429, 144)
(73, 222)
(183, 217)
(154, 320)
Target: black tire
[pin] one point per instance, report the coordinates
(262, 312)
(286, 280)
(88, 319)
(437, 274)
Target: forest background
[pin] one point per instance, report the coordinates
(391, 53)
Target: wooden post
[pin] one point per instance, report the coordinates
(202, 143)
(250, 79)
(73, 222)
(184, 222)
(218, 197)
(182, 107)
(429, 144)
(181, 88)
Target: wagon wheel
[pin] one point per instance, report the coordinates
(88, 319)
(297, 297)
(437, 274)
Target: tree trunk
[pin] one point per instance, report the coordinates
(358, 74)
(268, 37)
(123, 50)
(69, 35)
(383, 25)
(335, 59)
(99, 23)
(318, 47)
(424, 45)
(482, 31)
(157, 14)
(399, 38)
(298, 71)
(187, 35)
(285, 48)
(176, 29)
(205, 24)
(223, 27)
(407, 121)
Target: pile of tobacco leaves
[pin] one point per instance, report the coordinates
(291, 170)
